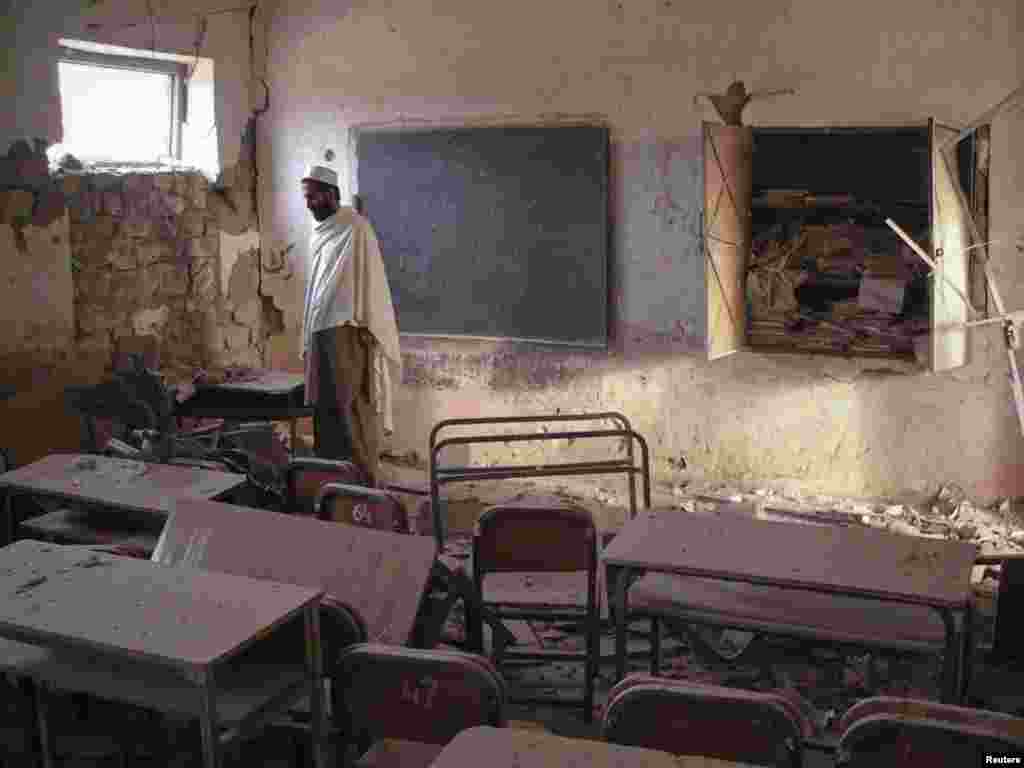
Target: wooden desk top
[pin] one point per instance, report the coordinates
(520, 748)
(268, 383)
(382, 575)
(825, 558)
(119, 483)
(183, 617)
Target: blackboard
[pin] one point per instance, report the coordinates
(492, 232)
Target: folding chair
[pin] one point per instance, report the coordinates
(404, 705)
(887, 731)
(306, 475)
(355, 505)
(381, 509)
(687, 718)
(550, 537)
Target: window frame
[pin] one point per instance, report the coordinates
(177, 71)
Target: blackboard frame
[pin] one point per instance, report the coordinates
(584, 182)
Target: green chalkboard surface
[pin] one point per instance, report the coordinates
(493, 232)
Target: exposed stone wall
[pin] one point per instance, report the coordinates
(92, 257)
(146, 251)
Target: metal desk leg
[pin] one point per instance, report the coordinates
(621, 589)
(1009, 617)
(951, 657)
(314, 662)
(208, 721)
(967, 659)
(46, 745)
(9, 516)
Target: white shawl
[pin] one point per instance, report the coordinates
(347, 285)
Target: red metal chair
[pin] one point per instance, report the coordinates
(304, 477)
(887, 731)
(355, 505)
(404, 705)
(449, 583)
(687, 718)
(546, 536)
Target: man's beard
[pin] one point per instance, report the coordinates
(321, 212)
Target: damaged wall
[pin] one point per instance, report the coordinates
(41, 314)
(60, 323)
(839, 426)
(147, 256)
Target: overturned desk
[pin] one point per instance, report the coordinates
(268, 396)
(381, 575)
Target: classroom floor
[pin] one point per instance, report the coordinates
(824, 680)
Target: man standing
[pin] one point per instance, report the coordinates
(349, 334)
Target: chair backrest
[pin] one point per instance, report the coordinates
(889, 731)
(367, 507)
(341, 626)
(305, 476)
(687, 718)
(386, 692)
(535, 534)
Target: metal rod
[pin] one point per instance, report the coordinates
(983, 118)
(208, 720)
(314, 661)
(526, 437)
(927, 259)
(534, 473)
(41, 693)
(621, 588)
(618, 464)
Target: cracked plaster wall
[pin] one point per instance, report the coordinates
(838, 426)
(41, 314)
(47, 219)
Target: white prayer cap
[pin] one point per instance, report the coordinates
(321, 173)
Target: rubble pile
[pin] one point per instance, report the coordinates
(836, 285)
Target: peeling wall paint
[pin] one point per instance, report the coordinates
(835, 425)
(31, 120)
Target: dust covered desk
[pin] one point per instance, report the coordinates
(120, 490)
(522, 748)
(380, 574)
(720, 569)
(173, 639)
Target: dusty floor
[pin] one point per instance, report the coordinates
(826, 682)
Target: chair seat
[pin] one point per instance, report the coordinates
(396, 753)
(242, 690)
(555, 591)
(795, 612)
